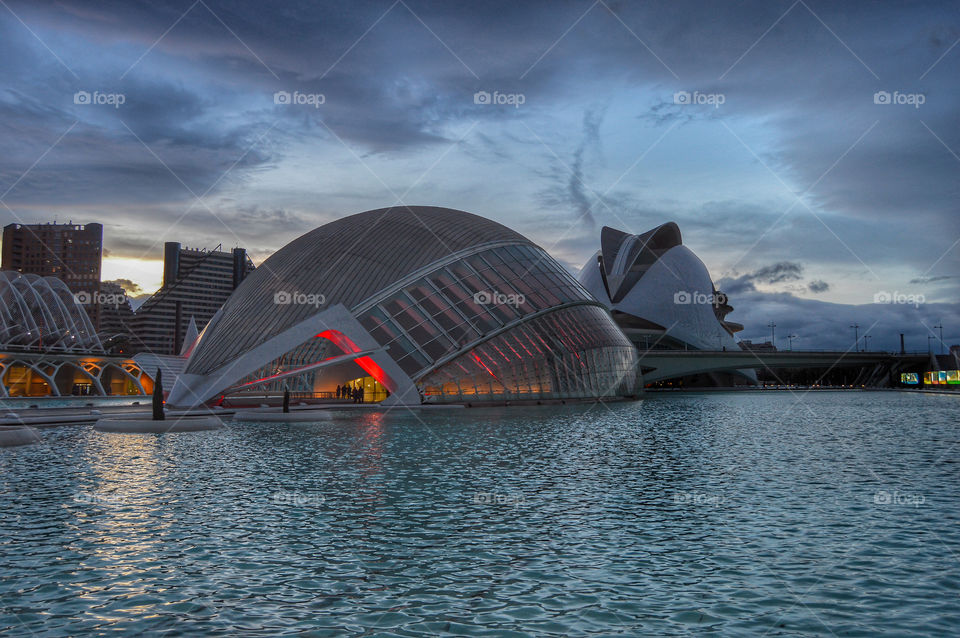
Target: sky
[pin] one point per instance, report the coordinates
(808, 150)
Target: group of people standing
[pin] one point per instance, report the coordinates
(346, 392)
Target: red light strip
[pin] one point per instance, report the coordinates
(369, 366)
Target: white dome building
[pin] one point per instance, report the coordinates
(659, 291)
(416, 304)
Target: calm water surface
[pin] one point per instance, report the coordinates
(734, 514)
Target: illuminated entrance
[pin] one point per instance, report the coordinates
(373, 390)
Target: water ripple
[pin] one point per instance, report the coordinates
(735, 514)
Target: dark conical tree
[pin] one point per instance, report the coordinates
(286, 401)
(158, 397)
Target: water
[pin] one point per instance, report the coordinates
(23, 403)
(735, 514)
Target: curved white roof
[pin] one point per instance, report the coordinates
(41, 313)
(656, 278)
(346, 261)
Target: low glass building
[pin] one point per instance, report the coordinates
(418, 304)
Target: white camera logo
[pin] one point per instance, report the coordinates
(83, 297)
(709, 99)
(300, 99)
(500, 99)
(488, 298)
(911, 99)
(98, 98)
(285, 298)
(897, 297)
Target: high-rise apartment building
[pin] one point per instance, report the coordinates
(195, 284)
(70, 252)
(116, 317)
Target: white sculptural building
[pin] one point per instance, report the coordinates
(418, 304)
(659, 291)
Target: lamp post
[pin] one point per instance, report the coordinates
(856, 336)
(790, 338)
(866, 346)
(941, 335)
(773, 334)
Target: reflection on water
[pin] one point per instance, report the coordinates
(737, 513)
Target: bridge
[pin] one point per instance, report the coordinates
(660, 365)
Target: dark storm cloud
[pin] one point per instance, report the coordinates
(881, 178)
(778, 273)
(826, 325)
(818, 286)
(130, 246)
(130, 287)
(927, 280)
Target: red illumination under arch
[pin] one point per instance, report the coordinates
(347, 346)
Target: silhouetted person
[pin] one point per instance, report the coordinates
(338, 391)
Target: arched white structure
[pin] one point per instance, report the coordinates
(40, 313)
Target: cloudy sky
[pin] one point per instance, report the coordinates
(809, 150)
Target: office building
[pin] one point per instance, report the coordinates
(196, 283)
(70, 252)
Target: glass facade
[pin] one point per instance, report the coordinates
(573, 352)
(462, 302)
(304, 355)
(425, 288)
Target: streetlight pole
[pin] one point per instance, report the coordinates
(866, 346)
(856, 336)
(941, 335)
(773, 334)
(791, 338)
